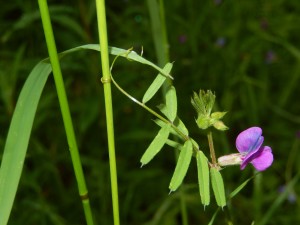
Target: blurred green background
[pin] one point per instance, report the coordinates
(247, 52)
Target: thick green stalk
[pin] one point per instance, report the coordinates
(101, 16)
(62, 97)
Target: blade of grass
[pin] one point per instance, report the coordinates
(279, 200)
(159, 31)
(18, 137)
(64, 106)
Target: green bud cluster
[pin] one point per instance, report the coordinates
(203, 104)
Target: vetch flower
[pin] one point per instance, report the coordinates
(291, 197)
(182, 38)
(270, 57)
(220, 42)
(249, 144)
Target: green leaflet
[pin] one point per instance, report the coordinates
(218, 186)
(203, 177)
(162, 108)
(157, 144)
(178, 123)
(174, 144)
(157, 83)
(182, 165)
(171, 103)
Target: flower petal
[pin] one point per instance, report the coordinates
(264, 160)
(254, 152)
(249, 140)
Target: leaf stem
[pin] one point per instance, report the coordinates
(149, 109)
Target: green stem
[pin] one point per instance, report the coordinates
(257, 196)
(62, 97)
(101, 17)
(211, 148)
(149, 109)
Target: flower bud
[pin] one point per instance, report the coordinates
(230, 160)
(203, 104)
(219, 125)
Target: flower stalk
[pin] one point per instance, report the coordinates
(211, 148)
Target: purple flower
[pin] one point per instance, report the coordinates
(249, 144)
(291, 197)
(298, 134)
(270, 57)
(220, 42)
(217, 2)
(182, 38)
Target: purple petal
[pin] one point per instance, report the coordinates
(264, 160)
(254, 152)
(249, 140)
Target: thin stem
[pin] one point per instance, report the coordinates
(211, 148)
(64, 106)
(149, 109)
(101, 16)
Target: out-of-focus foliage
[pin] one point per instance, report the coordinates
(246, 52)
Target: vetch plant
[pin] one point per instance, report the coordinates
(249, 142)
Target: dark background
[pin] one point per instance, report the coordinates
(245, 51)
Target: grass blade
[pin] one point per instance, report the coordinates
(211, 222)
(239, 188)
(279, 200)
(18, 137)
